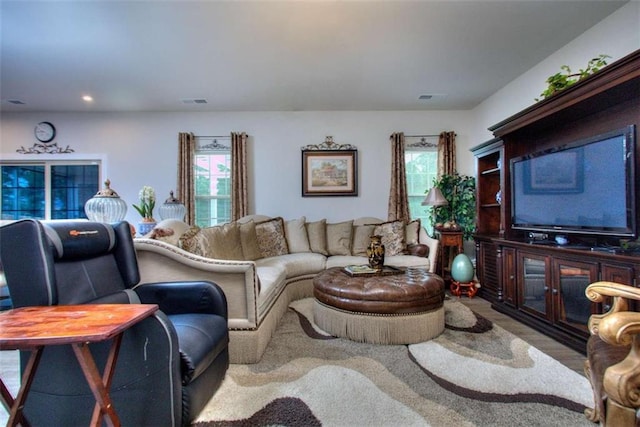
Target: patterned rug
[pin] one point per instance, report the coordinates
(473, 374)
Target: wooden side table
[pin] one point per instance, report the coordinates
(449, 240)
(33, 328)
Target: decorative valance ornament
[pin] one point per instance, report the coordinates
(328, 144)
(42, 148)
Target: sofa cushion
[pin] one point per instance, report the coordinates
(271, 238)
(393, 235)
(412, 233)
(249, 241)
(317, 233)
(223, 242)
(193, 241)
(299, 264)
(361, 239)
(296, 233)
(339, 238)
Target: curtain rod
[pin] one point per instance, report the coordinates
(421, 136)
(212, 136)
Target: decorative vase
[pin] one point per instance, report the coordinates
(146, 226)
(375, 253)
(462, 269)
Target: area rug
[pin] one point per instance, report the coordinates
(473, 374)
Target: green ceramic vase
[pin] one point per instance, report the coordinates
(462, 269)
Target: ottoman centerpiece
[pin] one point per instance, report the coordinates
(404, 308)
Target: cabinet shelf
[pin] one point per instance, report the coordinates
(491, 171)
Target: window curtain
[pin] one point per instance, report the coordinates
(239, 205)
(447, 153)
(398, 198)
(186, 190)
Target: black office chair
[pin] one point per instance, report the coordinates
(169, 365)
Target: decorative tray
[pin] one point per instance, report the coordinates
(366, 271)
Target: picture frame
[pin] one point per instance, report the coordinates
(560, 172)
(329, 173)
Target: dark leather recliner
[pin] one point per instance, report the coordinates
(169, 365)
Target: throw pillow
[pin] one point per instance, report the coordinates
(169, 231)
(317, 233)
(339, 238)
(393, 235)
(271, 238)
(296, 234)
(412, 233)
(193, 241)
(249, 241)
(223, 242)
(361, 238)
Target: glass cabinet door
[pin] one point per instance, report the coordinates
(534, 284)
(572, 308)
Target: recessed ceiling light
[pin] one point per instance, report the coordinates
(87, 98)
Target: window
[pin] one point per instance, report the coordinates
(47, 189)
(212, 175)
(421, 164)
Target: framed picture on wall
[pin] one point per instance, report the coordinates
(329, 173)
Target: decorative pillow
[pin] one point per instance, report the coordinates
(249, 241)
(193, 241)
(392, 233)
(223, 241)
(317, 233)
(412, 233)
(271, 238)
(339, 238)
(168, 230)
(296, 234)
(361, 238)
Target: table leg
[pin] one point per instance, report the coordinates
(98, 387)
(15, 413)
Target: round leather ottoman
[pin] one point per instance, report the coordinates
(404, 308)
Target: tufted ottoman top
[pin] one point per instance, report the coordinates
(413, 291)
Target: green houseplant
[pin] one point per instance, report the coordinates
(566, 78)
(460, 192)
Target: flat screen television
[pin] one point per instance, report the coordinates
(585, 187)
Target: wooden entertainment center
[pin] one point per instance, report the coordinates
(543, 285)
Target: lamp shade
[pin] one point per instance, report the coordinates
(105, 206)
(172, 208)
(434, 198)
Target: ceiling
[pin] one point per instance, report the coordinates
(276, 55)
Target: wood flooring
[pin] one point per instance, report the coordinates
(565, 355)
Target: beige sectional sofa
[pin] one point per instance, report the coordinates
(264, 263)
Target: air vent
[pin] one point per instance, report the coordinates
(15, 102)
(194, 101)
(429, 96)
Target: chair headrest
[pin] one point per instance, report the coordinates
(80, 239)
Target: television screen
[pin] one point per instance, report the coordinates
(584, 187)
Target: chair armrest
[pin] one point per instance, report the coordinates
(184, 297)
(598, 291)
(434, 247)
(418, 250)
(619, 328)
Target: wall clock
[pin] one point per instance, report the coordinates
(45, 132)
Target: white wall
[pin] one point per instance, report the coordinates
(141, 149)
(616, 36)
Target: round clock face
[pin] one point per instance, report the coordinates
(45, 132)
